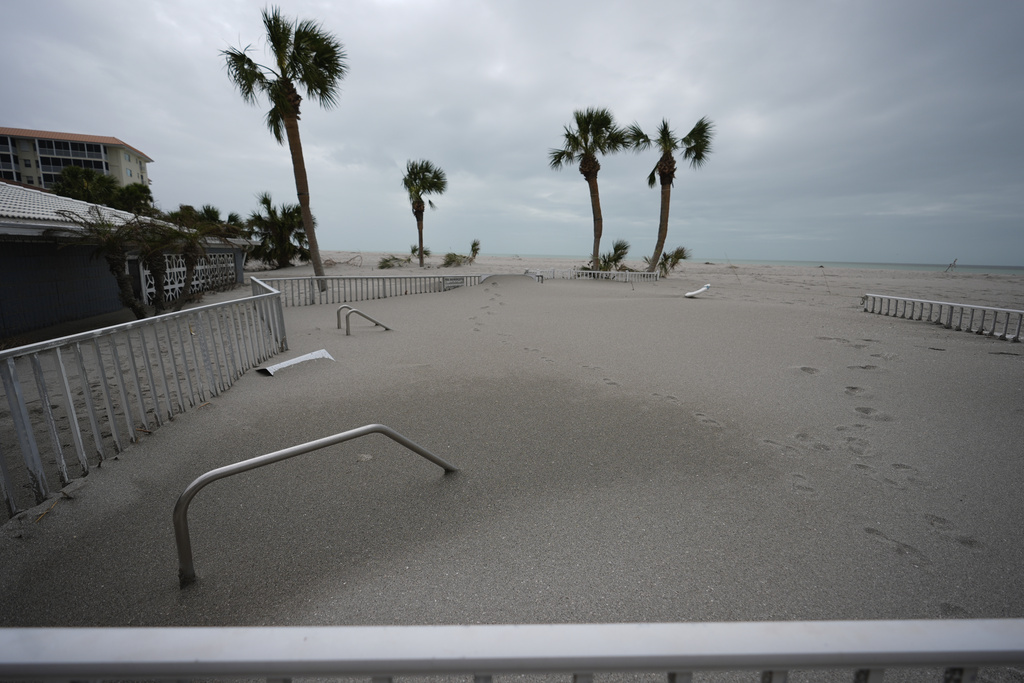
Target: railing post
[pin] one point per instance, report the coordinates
(22, 426)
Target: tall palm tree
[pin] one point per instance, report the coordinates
(422, 178)
(596, 134)
(696, 146)
(279, 233)
(304, 56)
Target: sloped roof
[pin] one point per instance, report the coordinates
(30, 213)
(70, 137)
(26, 212)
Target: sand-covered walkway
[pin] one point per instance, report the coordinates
(767, 451)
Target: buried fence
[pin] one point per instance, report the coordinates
(1001, 323)
(577, 274)
(76, 400)
(340, 289)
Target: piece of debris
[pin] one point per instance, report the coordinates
(271, 369)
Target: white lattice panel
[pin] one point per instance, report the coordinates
(212, 271)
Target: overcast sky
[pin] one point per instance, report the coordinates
(847, 130)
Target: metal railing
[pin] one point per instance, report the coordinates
(1001, 323)
(186, 570)
(576, 274)
(864, 648)
(348, 324)
(88, 395)
(339, 289)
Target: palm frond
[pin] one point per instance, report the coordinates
(697, 142)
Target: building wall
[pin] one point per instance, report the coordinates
(43, 285)
(122, 163)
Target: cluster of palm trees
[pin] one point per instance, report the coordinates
(597, 134)
(306, 57)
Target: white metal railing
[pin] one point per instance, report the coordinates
(83, 397)
(864, 648)
(340, 289)
(1002, 323)
(577, 274)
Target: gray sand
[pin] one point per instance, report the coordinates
(764, 452)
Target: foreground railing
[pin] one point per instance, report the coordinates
(75, 400)
(576, 274)
(340, 289)
(1002, 323)
(864, 648)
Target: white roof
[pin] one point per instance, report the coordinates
(25, 212)
(21, 204)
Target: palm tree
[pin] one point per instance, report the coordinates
(614, 259)
(86, 184)
(596, 133)
(306, 56)
(194, 229)
(279, 232)
(154, 242)
(422, 178)
(696, 146)
(669, 260)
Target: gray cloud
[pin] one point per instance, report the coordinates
(865, 131)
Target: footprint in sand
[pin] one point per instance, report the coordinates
(873, 414)
(947, 529)
(802, 486)
(706, 421)
(806, 438)
(809, 370)
(900, 547)
(610, 383)
(856, 445)
(855, 391)
(862, 367)
(781, 448)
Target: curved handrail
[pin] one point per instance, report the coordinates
(186, 570)
(348, 325)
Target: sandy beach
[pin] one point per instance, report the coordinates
(765, 451)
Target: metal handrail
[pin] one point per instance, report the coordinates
(186, 570)
(348, 325)
(864, 647)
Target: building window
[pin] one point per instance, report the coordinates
(127, 156)
(28, 163)
(129, 171)
(28, 180)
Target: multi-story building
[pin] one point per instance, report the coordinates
(36, 157)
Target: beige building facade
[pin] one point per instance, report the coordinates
(36, 157)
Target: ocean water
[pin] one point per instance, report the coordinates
(929, 267)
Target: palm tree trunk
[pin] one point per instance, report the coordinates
(291, 127)
(158, 269)
(190, 274)
(659, 246)
(595, 204)
(419, 229)
(118, 264)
